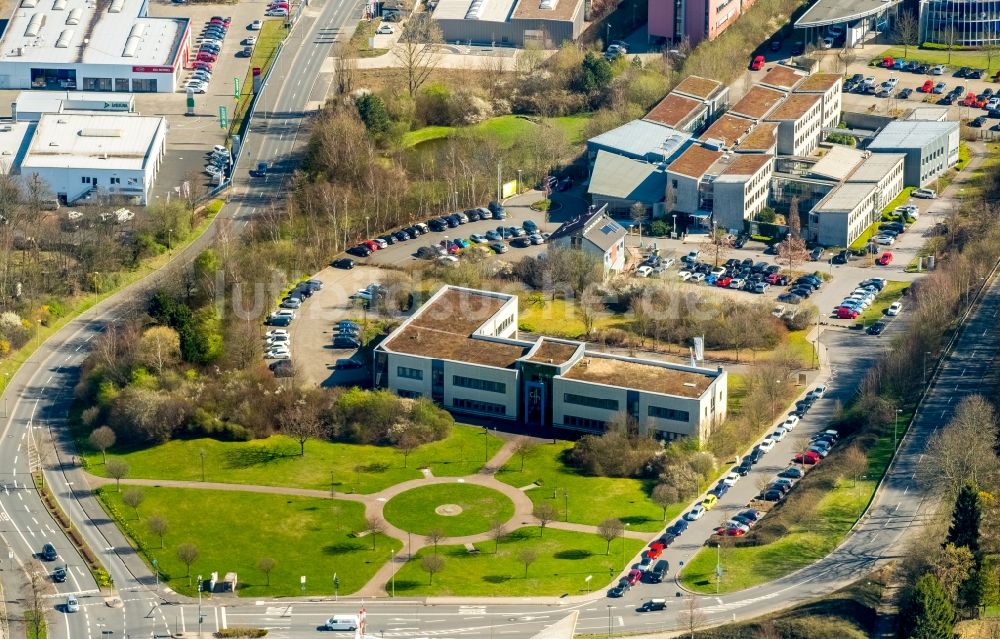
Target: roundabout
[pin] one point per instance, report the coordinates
(455, 509)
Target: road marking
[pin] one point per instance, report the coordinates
(905, 490)
(34, 520)
(621, 621)
(225, 623)
(15, 460)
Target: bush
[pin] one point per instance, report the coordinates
(241, 632)
(659, 228)
(616, 453)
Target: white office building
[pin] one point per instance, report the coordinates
(82, 45)
(461, 349)
(82, 155)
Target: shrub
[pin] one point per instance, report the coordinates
(241, 632)
(659, 228)
(616, 453)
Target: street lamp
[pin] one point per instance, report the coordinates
(156, 573)
(675, 224)
(486, 443)
(609, 620)
(518, 182)
(895, 424)
(624, 529)
(393, 577)
(566, 502)
(367, 234)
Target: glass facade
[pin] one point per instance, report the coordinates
(960, 22)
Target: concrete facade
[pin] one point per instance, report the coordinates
(548, 384)
(742, 190)
(844, 214)
(829, 86)
(799, 121)
(885, 171)
(931, 148)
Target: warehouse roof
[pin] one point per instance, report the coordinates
(14, 140)
(83, 31)
(838, 163)
(642, 139)
(911, 134)
(757, 103)
(876, 167)
(623, 178)
(93, 140)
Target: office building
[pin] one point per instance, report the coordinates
(930, 148)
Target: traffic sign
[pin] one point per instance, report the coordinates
(223, 117)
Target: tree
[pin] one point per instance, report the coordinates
(34, 601)
(907, 31)
(545, 513)
(133, 498)
(266, 565)
(158, 348)
(301, 420)
(102, 439)
(432, 564)
(717, 244)
(928, 614)
(373, 113)
(596, 73)
(609, 530)
(187, 554)
(158, 526)
(435, 537)
(854, 462)
(965, 521)
(691, 615)
(117, 469)
(417, 50)
(637, 212)
(527, 556)
(374, 526)
(963, 451)
(793, 247)
(406, 442)
(952, 568)
(663, 496)
(498, 530)
(522, 448)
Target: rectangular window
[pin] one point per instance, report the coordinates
(669, 413)
(97, 84)
(409, 373)
(116, 180)
(142, 85)
(479, 407)
(478, 384)
(409, 394)
(592, 402)
(582, 422)
(121, 85)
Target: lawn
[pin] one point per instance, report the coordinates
(563, 561)
(558, 317)
(802, 348)
(275, 461)
(362, 35)
(590, 500)
(900, 200)
(892, 292)
(414, 510)
(975, 59)
(813, 538)
(269, 38)
(234, 530)
(508, 129)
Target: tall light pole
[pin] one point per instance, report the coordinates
(718, 566)
(486, 443)
(201, 452)
(519, 181)
(609, 620)
(392, 578)
(566, 502)
(156, 573)
(895, 424)
(367, 234)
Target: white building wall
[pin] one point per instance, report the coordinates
(503, 323)
(561, 409)
(508, 398)
(685, 192)
(406, 382)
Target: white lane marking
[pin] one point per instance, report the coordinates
(621, 621)
(35, 520)
(15, 459)
(47, 381)
(225, 623)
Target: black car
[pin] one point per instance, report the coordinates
(905, 93)
(653, 605)
(740, 241)
(414, 231)
(840, 258)
(857, 77)
(798, 48)
(345, 263)
(437, 224)
(59, 574)
(978, 122)
(388, 238)
(975, 74)
(792, 472)
(620, 589)
(49, 553)
(947, 100)
(401, 236)
(772, 494)
(279, 320)
(346, 341)
(876, 328)
(923, 68)
(530, 227)
(800, 291)
(347, 364)
(360, 251)
(452, 221)
(962, 72)
(520, 242)
(756, 454)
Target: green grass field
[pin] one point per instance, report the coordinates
(506, 128)
(413, 510)
(892, 292)
(270, 36)
(275, 461)
(974, 59)
(563, 561)
(234, 530)
(590, 499)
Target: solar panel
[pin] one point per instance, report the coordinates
(609, 228)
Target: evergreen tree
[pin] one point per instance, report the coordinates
(595, 73)
(373, 113)
(965, 519)
(928, 613)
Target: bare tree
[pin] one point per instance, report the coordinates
(545, 513)
(34, 601)
(187, 554)
(266, 565)
(159, 347)
(432, 564)
(949, 34)
(301, 420)
(963, 450)
(717, 244)
(158, 526)
(691, 615)
(417, 50)
(498, 530)
(133, 498)
(102, 439)
(907, 31)
(609, 530)
(435, 537)
(527, 556)
(853, 462)
(664, 495)
(793, 248)
(345, 57)
(374, 526)
(118, 470)
(522, 448)
(406, 442)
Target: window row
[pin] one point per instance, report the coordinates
(592, 402)
(479, 407)
(478, 384)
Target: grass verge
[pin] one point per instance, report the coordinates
(270, 36)
(561, 562)
(346, 468)
(590, 500)
(29, 626)
(975, 59)
(414, 510)
(363, 34)
(508, 129)
(891, 293)
(233, 531)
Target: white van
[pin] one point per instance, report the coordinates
(341, 622)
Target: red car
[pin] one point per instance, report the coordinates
(372, 245)
(757, 64)
(277, 5)
(655, 550)
(885, 259)
(928, 87)
(634, 576)
(202, 65)
(888, 62)
(809, 457)
(220, 20)
(970, 100)
(735, 532)
(846, 313)
(204, 56)
(723, 281)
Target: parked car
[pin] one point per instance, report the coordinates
(695, 513)
(757, 63)
(927, 194)
(48, 552)
(808, 457)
